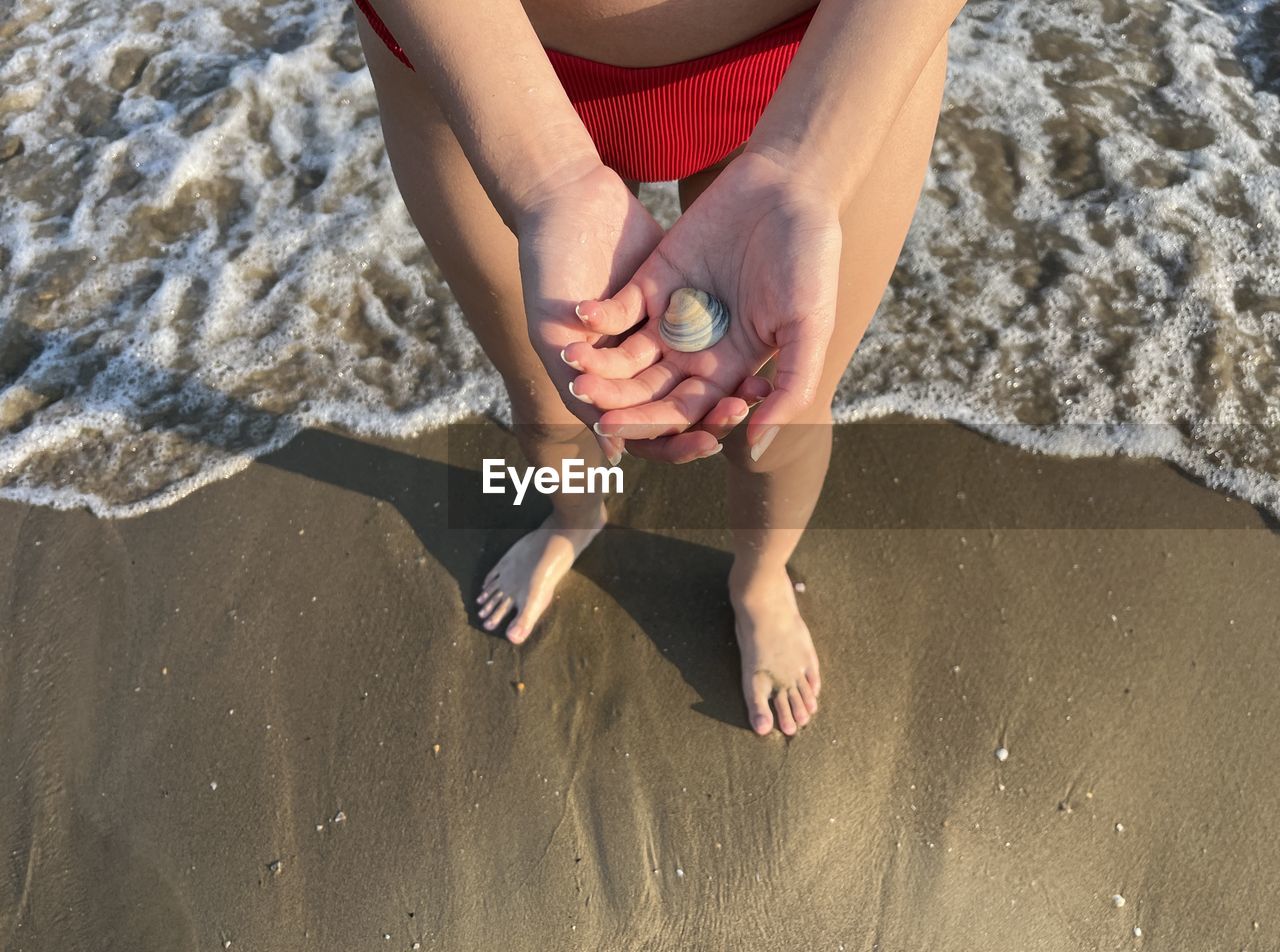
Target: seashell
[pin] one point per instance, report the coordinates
(695, 320)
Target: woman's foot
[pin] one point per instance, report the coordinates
(778, 660)
(525, 578)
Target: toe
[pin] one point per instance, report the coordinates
(807, 695)
(522, 625)
(756, 691)
(786, 722)
(490, 602)
(798, 709)
(504, 605)
(815, 681)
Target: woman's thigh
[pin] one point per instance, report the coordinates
(875, 225)
(473, 248)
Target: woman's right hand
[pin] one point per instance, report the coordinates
(581, 238)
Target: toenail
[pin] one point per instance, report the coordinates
(572, 363)
(581, 396)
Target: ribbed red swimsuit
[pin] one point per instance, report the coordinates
(657, 123)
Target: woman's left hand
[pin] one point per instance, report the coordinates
(768, 246)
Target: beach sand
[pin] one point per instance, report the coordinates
(265, 718)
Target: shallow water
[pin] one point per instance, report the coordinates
(202, 249)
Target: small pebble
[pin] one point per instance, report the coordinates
(213, 785)
(1001, 754)
(339, 817)
(800, 587)
(1137, 932)
(1119, 827)
(435, 750)
(519, 687)
(1117, 900)
(275, 867)
(679, 872)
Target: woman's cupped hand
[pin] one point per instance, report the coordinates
(766, 245)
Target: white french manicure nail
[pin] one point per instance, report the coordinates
(577, 309)
(572, 363)
(719, 448)
(595, 427)
(758, 450)
(582, 397)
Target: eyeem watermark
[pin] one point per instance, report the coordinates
(573, 476)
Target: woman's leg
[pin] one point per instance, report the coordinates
(775, 496)
(477, 255)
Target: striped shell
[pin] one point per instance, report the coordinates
(695, 320)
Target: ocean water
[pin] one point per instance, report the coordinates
(202, 249)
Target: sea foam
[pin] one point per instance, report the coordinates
(203, 251)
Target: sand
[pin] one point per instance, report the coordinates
(265, 716)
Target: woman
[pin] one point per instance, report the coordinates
(798, 222)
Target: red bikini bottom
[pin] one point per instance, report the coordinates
(657, 123)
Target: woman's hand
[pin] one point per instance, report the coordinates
(766, 244)
(582, 236)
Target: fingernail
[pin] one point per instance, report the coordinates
(763, 444)
(609, 449)
(515, 633)
(719, 448)
(582, 397)
(577, 309)
(599, 432)
(572, 363)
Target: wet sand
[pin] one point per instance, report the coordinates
(265, 718)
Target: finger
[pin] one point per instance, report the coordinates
(681, 448)
(753, 390)
(642, 349)
(687, 404)
(731, 411)
(802, 346)
(724, 416)
(614, 315)
(606, 394)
